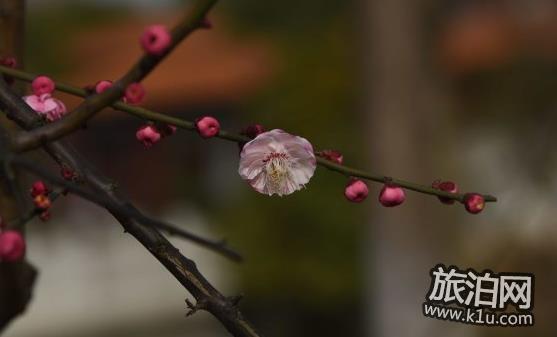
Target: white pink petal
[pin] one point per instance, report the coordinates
(276, 162)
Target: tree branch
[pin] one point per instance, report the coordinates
(32, 139)
(183, 269)
(147, 114)
(224, 308)
(65, 156)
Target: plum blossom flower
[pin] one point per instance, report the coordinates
(276, 162)
(47, 106)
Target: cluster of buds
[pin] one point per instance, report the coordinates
(134, 93)
(275, 162)
(151, 134)
(39, 192)
(390, 195)
(474, 203)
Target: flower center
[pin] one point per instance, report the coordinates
(277, 166)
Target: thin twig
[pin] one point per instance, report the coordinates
(24, 116)
(182, 268)
(21, 221)
(32, 139)
(147, 114)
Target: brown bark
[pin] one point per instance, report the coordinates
(16, 279)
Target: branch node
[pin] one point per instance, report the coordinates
(193, 308)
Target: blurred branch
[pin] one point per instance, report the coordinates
(21, 221)
(32, 139)
(127, 210)
(24, 116)
(16, 279)
(147, 114)
(225, 309)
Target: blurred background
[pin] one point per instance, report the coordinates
(421, 90)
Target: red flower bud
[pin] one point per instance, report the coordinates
(391, 196)
(42, 202)
(446, 186)
(12, 246)
(38, 188)
(207, 126)
(332, 155)
(474, 203)
(356, 190)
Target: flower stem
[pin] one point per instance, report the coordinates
(147, 114)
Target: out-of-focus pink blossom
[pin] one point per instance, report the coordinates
(38, 188)
(11, 62)
(207, 126)
(276, 162)
(42, 202)
(148, 135)
(42, 85)
(155, 39)
(12, 246)
(47, 106)
(134, 93)
(101, 86)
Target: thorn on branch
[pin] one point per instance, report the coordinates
(193, 308)
(235, 300)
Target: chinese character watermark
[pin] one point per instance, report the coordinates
(480, 298)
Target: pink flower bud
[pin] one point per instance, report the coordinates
(155, 40)
(148, 135)
(332, 155)
(101, 86)
(446, 186)
(10, 62)
(42, 85)
(42, 202)
(12, 246)
(207, 126)
(356, 190)
(166, 129)
(67, 173)
(253, 130)
(474, 203)
(38, 188)
(134, 93)
(44, 216)
(391, 195)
